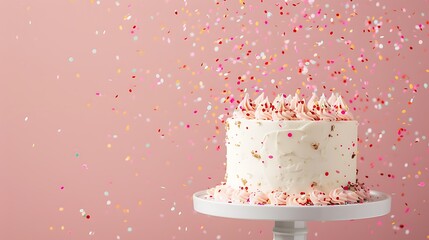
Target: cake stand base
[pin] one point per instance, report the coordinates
(289, 230)
(290, 221)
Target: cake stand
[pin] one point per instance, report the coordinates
(290, 221)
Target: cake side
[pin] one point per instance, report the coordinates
(290, 156)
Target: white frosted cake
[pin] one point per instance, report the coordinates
(289, 152)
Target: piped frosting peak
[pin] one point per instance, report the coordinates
(294, 108)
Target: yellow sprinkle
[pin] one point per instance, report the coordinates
(396, 77)
(126, 210)
(427, 70)
(61, 209)
(127, 158)
(256, 23)
(404, 111)
(118, 71)
(77, 75)
(321, 29)
(127, 128)
(109, 145)
(117, 206)
(51, 228)
(411, 86)
(140, 203)
(419, 172)
(62, 227)
(199, 168)
(380, 57)
(120, 27)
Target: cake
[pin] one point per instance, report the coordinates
(291, 152)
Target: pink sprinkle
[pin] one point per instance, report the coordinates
(343, 112)
(289, 134)
(270, 157)
(62, 187)
(421, 184)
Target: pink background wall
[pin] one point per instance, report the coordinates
(113, 107)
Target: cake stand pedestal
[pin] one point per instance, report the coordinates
(290, 221)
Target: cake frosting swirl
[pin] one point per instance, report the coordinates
(282, 111)
(245, 109)
(294, 108)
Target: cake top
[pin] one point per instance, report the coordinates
(294, 108)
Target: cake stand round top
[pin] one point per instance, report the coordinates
(378, 205)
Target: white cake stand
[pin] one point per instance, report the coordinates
(290, 221)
